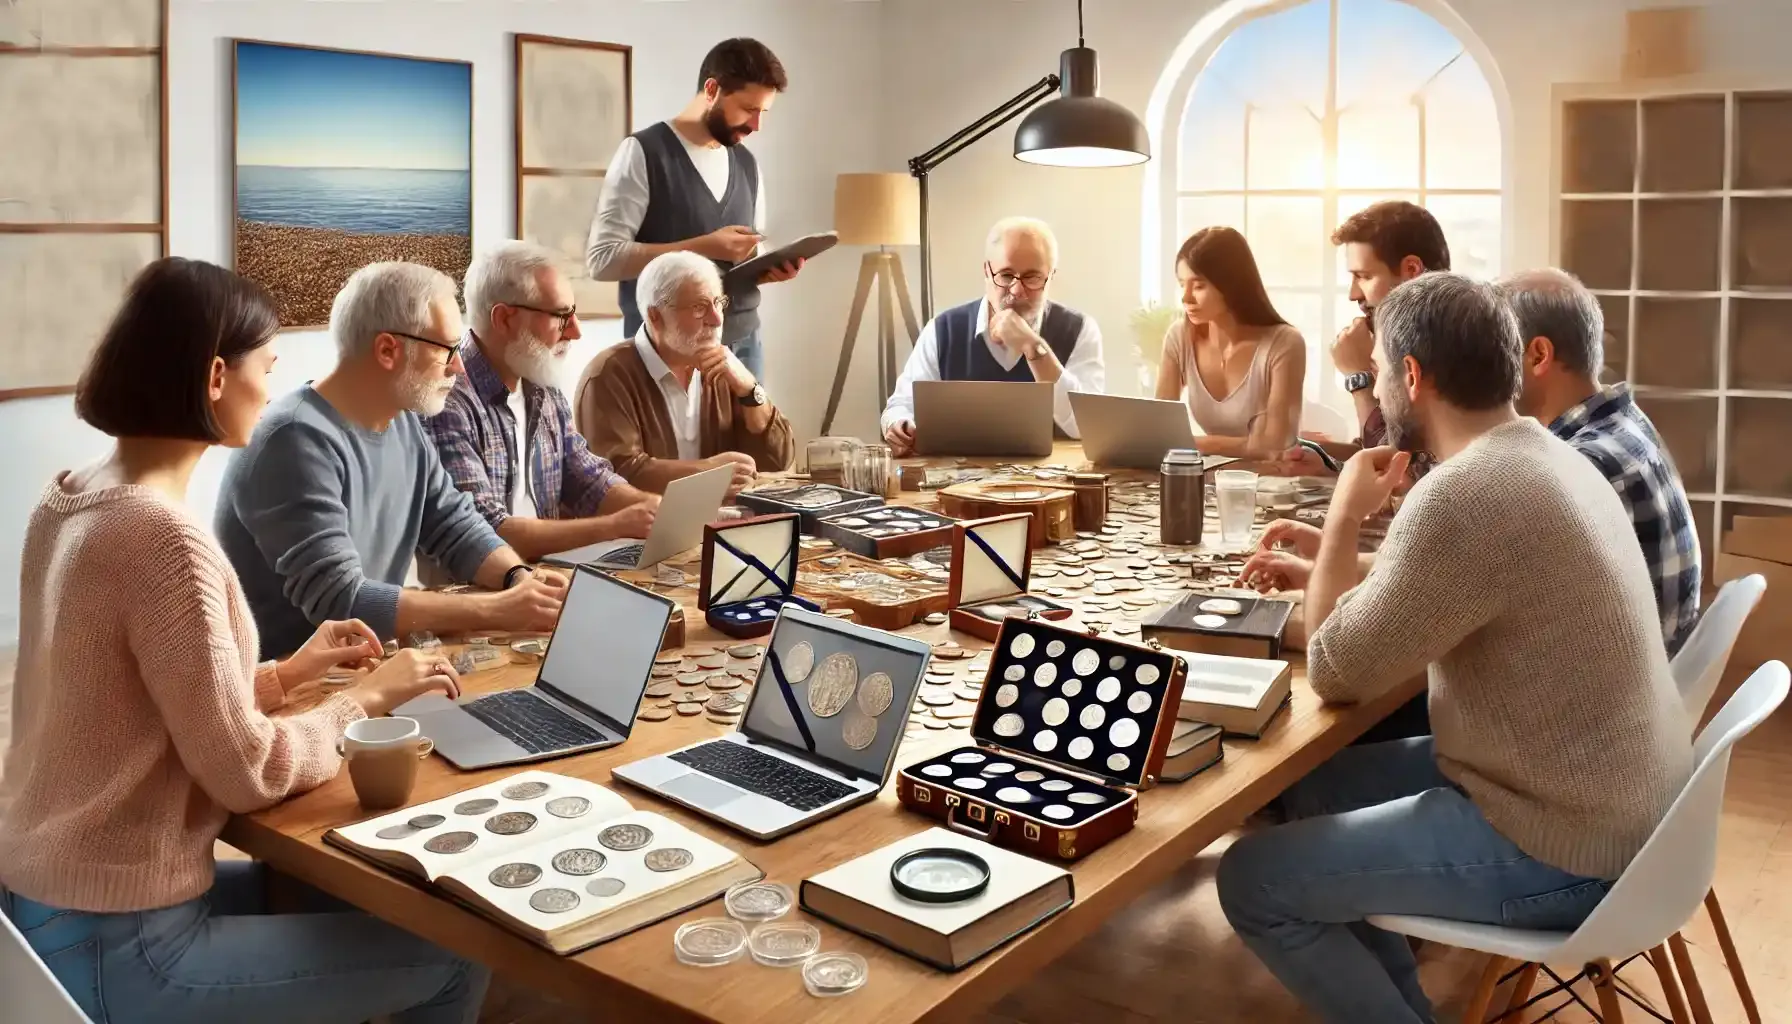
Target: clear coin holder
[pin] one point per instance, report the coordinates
(709, 942)
(835, 974)
(783, 943)
(759, 901)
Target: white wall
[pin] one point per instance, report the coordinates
(966, 58)
(816, 130)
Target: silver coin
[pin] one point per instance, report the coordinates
(1221, 606)
(604, 886)
(1138, 703)
(451, 842)
(1006, 695)
(938, 771)
(969, 782)
(1046, 674)
(1071, 687)
(1086, 662)
(1055, 712)
(510, 823)
(579, 861)
(1055, 649)
(799, 661)
(1080, 748)
(1054, 785)
(1107, 689)
(1116, 663)
(669, 859)
(524, 791)
(479, 806)
(1057, 812)
(1119, 762)
(1029, 776)
(625, 837)
(858, 730)
(514, 876)
(1124, 732)
(1210, 621)
(1014, 795)
(999, 768)
(426, 821)
(1087, 798)
(1021, 645)
(875, 693)
(1014, 673)
(833, 684)
(1045, 741)
(1009, 725)
(1147, 675)
(1092, 716)
(967, 757)
(568, 806)
(553, 901)
(400, 831)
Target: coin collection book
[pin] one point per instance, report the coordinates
(859, 895)
(1069, 727)
(748, 573)
(1233, 622)
(563, 862)
(992, 564)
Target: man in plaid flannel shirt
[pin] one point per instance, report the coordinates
(523, 322)
(1564, 331)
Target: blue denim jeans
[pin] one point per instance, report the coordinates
(222, 958)
(751, 354)
(1379, 830)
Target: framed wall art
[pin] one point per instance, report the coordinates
(345, 158)
(573, 108)
(84, 184)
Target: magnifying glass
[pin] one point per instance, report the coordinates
(939, 875)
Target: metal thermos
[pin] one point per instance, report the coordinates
(1181, 497)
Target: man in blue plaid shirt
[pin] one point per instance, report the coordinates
(506, 435)
(1564, 330)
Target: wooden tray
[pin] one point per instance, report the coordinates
(1053, 505)
(905, 597)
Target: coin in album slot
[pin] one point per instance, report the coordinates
(479, 806)
(553, 901)
(426, 821)
(399, 831)
(451, 843)
(579, 861)
(514, 876)
(671, 858)
(624, 838)
(510, 823)
(523, 791)
(569, 806)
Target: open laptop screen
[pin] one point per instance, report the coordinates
(604, 645)
(842, 740)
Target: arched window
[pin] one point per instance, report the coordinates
(1282, 120)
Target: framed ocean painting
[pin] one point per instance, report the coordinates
(342, 159)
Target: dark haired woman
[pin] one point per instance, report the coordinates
(1241, 365)
(140, 713)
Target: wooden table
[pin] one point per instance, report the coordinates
(637, 977)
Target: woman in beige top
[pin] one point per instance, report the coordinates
(1232, 343)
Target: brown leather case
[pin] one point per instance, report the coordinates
(980, 626)
(1053, 506)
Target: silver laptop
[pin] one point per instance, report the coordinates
(1131, 433)
(787, 766)
(981, 417)
(585, 696)
(689, 503)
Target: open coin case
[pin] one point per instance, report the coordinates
(894, 531)
(813, 501)
(1240, 623)
(1068, 728)
(749, 574)
(843, 687)
(992, 562)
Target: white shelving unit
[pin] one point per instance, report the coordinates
(1673, 202)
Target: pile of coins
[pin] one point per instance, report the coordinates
(948, 695)
(702, 680)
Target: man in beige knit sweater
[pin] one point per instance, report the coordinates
(1512, 575)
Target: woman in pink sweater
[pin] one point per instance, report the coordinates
(140, 714)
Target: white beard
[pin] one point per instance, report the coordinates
(688, 345)
(535, 361)
(425, 393)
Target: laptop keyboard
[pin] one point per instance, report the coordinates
(764, 774)
(531, 723)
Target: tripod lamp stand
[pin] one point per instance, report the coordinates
(881, 210)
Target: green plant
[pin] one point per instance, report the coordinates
(1149, 324)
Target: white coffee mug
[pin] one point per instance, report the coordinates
(382, 756)
(384, 734)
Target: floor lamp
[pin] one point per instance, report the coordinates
(880, 210)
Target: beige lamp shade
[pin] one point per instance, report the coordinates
(877, 209)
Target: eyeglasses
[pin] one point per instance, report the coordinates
(1031, 281)
(699, 308)
(452, 350)
(561, 316)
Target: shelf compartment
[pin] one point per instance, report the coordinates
(1760, 344)
(1763, 141)
(1755, 452)
(1683, 144)
(1599, 146)
(1676, 343)
(1688, 426)
(1762, 234)
(1596, 242)
(1680, 243)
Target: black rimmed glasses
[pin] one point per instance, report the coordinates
(1032, 280)
(561, 316)
(451, 349)
(719, 305)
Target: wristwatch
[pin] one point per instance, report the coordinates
(1359, 380)
(754, 397)
(511, 575)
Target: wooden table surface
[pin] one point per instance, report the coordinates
(637, 977)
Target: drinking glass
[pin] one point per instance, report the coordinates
(1236, 491)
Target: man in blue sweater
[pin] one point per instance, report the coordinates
(1013, 333)
(340, 485)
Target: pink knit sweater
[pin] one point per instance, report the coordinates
(139, 714)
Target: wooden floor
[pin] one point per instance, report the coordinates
(1172, 956)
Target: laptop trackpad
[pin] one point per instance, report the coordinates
(700, 790)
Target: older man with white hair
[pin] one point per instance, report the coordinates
(321, 512)
(674, 401)
(1013, 333)
(506, 436)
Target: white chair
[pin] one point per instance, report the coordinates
(1324, 418)
(1657, 893)
(1697, 669)
(28, 987)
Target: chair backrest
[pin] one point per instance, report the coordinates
(1664, 884)
(31, 992)
(1699, 665)
(1315, 416)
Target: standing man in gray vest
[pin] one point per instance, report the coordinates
(689, 184)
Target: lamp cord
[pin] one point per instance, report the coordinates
(1079, 23)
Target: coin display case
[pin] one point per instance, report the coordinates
(748, 574)
(811, 500)
(1068, 729)
(894, 531)
(1053, 506)
(992, 562)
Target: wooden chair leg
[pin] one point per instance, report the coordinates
(1695, 994)
(1521, 991)
(1725, 943)
(1664, 973)
(1611, 1009)
(1476, 1013)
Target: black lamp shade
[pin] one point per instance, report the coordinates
(1079, 128)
